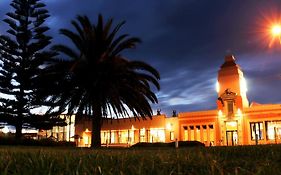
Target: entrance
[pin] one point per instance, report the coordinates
(231, 138)
(231, 133)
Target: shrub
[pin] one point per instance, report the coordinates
(171, 144)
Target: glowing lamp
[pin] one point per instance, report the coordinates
(5, 130)
(239, 111)
(276, 30)
(275, 34)
(169, 126)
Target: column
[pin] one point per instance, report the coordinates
(189, 133)
(195, 132)
(208, 134)
(201, 134)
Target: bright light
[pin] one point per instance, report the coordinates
(231, 124)
(169, 126)
(270, 28)
(218, 87)
(5, 130)
(243, 85)
(276, 30)
(239, 111)
(220, 113)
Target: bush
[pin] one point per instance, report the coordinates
(171, 144)
(32, 142)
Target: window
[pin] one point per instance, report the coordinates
(157, 135)
(172, 135)
(123, 136)
(273, 130)
(212, 133)
(142, 135)
(198, 133)
(185, 133)
(256, 130)
(204, 133)
(230, 107)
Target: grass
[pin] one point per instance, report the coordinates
(214, 160)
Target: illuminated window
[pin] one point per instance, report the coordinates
(112, 137)
(212, 133)
(231, 126)
(123, 136)
(185, 133)
(105, 137)
(273, 130)
(172, 135)
(197, 133)
(157, 135)
(204, 133)
(142, 135)
(131, 136)
(256, 130)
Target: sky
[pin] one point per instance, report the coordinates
(186, 41)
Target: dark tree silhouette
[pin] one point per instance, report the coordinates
(23, 58)
(98, 81)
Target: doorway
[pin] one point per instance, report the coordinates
(231, 138)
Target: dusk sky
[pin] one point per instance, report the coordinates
(187, 40)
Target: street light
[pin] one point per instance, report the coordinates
(275, 33)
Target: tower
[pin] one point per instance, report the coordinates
(231, 86)
(232, 98)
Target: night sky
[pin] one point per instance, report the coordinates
(186, 40)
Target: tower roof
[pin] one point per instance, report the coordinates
(229, 61)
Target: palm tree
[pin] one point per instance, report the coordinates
(98, 82)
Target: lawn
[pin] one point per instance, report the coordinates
(214, 160)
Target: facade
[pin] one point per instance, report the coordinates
(126, 132)
(234, 122)
(60, 133)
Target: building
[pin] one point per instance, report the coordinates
(234, 122)
(60, 133)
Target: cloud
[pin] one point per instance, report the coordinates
(186, 40)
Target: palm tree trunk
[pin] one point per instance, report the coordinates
(96, 127)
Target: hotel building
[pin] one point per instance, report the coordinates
(234, 122)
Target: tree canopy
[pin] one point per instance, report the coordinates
(97, 80)
(23, 56)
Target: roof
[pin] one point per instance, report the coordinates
(229, 61)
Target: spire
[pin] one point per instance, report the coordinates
(229, 61)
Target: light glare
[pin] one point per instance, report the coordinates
(243, 86)
(217, 87)
(276, 30)
(5, 130)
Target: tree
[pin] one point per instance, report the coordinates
(98, 81)
(23, 59)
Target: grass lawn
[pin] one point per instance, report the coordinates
(215, 160)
